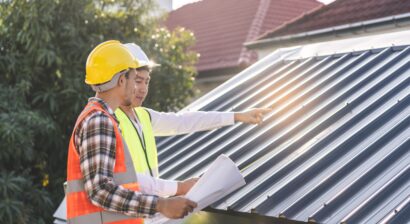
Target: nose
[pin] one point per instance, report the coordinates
(144, 88)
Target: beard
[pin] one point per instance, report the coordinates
(128, 94)
(127, 102)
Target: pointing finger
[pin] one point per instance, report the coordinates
(266, 110)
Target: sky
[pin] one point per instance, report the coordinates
(179, 3)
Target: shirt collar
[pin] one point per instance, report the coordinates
(104, 106)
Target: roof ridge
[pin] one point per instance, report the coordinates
(306, 15)
(254, 29)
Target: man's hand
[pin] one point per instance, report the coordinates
(175, 207)
(252, 116)
(186, 185)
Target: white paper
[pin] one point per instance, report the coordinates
(221, 178)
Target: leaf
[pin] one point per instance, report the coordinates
(43, 50)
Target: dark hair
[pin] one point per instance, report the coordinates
(144, 68)
(127, 74)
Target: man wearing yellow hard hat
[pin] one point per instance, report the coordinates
(140, 125)
(102, 185)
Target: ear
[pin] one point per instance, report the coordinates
(122, 80)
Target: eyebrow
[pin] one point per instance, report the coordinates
(139, 77)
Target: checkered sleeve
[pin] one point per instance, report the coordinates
(97, 144)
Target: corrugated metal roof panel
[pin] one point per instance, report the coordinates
(60, 214)
(334, 149)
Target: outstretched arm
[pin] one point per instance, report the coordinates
(166, 124)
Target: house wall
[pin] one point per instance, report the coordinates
(209, 80)
(205, 85)
(165, 5)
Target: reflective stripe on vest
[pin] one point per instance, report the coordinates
(145, 159)
(80, 210)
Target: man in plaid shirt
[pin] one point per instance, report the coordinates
(95, 142)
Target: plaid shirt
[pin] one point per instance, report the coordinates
(95, 142)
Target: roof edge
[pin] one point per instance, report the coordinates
(265, 219)
(355, 44)
(264, 42)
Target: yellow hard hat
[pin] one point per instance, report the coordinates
(106, 60)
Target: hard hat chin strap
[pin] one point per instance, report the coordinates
(110, 84)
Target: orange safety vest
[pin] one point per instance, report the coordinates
(80, 210)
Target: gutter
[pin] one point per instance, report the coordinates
(335, 29)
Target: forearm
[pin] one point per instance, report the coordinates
(157, 186)
(165, 124)
(115, 198)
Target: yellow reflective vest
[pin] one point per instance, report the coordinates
(143, 150)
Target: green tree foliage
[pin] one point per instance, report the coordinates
(43, 48)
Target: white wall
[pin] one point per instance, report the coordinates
(165, 4)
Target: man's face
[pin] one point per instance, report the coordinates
(129, 87)
(141, 90)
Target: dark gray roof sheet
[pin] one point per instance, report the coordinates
(60, 214)
(336, 147)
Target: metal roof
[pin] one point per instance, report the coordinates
(60, 214)
(336, 147)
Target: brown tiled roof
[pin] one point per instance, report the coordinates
(221, 27)
(340, 12)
